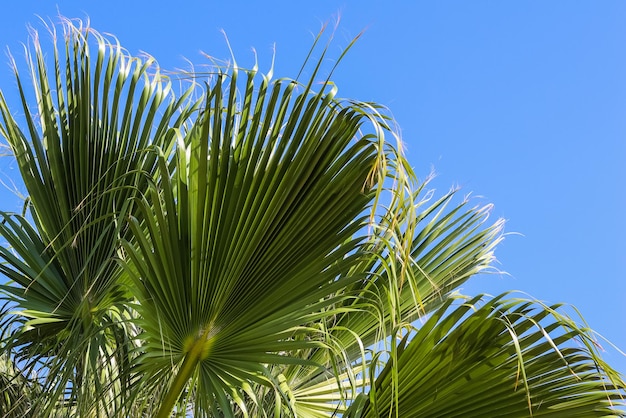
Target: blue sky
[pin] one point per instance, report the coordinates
(520, 103)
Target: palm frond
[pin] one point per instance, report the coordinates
(247, 241)
(495, 357)
(82, 158)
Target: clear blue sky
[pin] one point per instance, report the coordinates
(521, 103)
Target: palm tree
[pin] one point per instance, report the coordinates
(253, 246)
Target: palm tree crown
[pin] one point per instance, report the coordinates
(251, 246)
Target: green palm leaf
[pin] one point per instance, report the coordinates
(251, 245)
(495, 357)
(82, 158)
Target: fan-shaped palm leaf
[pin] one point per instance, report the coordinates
(82, 159)
(251, 239)
(506, 358)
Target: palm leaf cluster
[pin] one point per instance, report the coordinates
(250, 246)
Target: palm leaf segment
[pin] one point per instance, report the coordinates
(231, 256)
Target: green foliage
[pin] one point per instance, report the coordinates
(252, 247)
